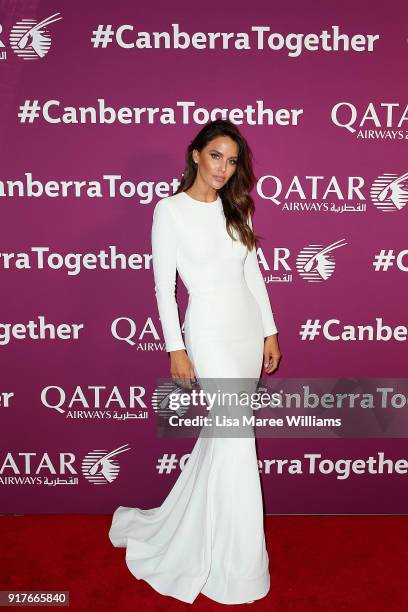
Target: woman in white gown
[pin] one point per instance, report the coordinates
(208, 535)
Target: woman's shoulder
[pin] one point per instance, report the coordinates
(170, 201)
(168, 204)
(165, 209)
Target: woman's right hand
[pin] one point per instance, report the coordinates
(181, 369)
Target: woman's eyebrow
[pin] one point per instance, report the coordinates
(219, 153)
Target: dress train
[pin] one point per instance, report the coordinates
(198, 540)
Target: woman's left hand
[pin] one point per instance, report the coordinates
(272, 354)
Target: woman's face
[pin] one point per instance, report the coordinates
(217, 161)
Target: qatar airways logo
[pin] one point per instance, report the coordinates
(31, 39)
(98, 467)
(314, 193)
(148, 338)
(334, 194)
(314, 263)
(169, 399)
(3, 52)
(96, 402)
(101, 466)
(376, 121)
(389, 192)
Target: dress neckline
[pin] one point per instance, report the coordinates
(208, 204)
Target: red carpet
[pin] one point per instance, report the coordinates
(317, 563)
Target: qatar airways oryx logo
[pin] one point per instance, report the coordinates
(101, 466)
(31, 39)
(389, 192)
(315, 263)
(3, 52)
(169, 399)
(383, 121)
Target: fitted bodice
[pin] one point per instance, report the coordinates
(208, 260)
(190, 236)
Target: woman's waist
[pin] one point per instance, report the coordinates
(223, 289)
(223, 311)
(208, 301)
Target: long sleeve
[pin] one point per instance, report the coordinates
(164, 252)
(256, 284)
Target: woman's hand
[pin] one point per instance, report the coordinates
(181, 368)
(272, 354)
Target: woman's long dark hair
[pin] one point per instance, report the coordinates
(236, 199)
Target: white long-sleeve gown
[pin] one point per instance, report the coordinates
(207, 536)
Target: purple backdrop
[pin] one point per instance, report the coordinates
(344, 124)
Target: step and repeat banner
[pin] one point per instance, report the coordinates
(98, 103)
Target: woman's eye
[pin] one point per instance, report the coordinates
(215, 155)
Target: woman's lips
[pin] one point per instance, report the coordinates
(221, 179)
